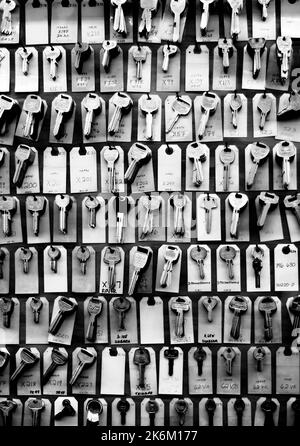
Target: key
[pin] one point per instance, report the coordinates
(112, 256)
(83, 254)
(111, 50)
(53, 56)
(58, 359)
(93, 106)
(264, 12)
(152, 408)
(4, 357)
(285, 154)
(171, 256)
(294, 308)
(238, 203)
(178, 201)
(200, 356)
(267, 308)
(7, 408)
(259, 153)
(123, 407)
(168, 51)
(227, 157)
(181, 408)
(149, 106)
(64, 204)
(94, 309)
(229, 356)
(2, 259)
(36, 205)
(7, 306)
(205, 15)
(141, 359)
(227, 254)
(225, 49)
(6, 22)
(85, 359)
(236, 8)
(264, 107)
(268, 202)
(291, 108)
(8, 110)
(63, 105)
(67, 410)
(138, 155)
(27, 360)
(119, 18)
(82, 53)
(171, 354)
(196, 153)
(123, 206)
(140, 262)
(121, 305)
(139, 55)
(199, 254)
(268, 407)
(235, 107)
(123, 104)
(208, 203)
(292, 202)
(94, 410)
(239, 306)
(92, 204)
(284, 53)
(54, 255)
(259, 354)
(25, 255)
(239, 407)
(210, 407)
(24, 157)
(26, 56)
(152, 204)
(181, 107)
(177, 8)
(208, 105)
(257, 255)
(36, 406)
(149, 8)
(33, 106)
(179, 306)
(66, 307)
(256, 47)
(209, 303)
(36, 305)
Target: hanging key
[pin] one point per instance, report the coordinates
(229, 356)
(205, 15)
(264, 8)
(267, 308)
(168, 51)
(292, 202)
(149, 106)
(24, 157)
(138, 155)
(94, 309)
(208, 203)
(140, 262)
(200, 356)
(238, 202)
(210, 407)
(123, 206)
(54, 255)
(8, 110)
(82, 53)
(27, 360)
(64, 204)
(179, 306)
(227, 157)
(2, 259)
(171, 256)
(285, 155)
(85, 359)
(225, 49)
(227, 254)
(123, 407)
(179, 201)
(92, 204)
(152, 408)
(284, 54)
(209, 303)
(181, 107)
(26, 55)
(67, 411)
(123, 105)
(171, 354)
(199, 254)
(25, 255)
(177, 8)
(7, 6)
(141, 359)
(94, 409)
(7, 306)
(7, 408)
(66, 307)
(139, 55)
(36, 305)
(259, 153)
(235, 107)
(53, 56)
(33, 107)
(181, 408)
(122, 305)
(83, 254)
(149, 8)
(269, 407)
(294, 308)
(111, 50)
(197, 154)
(259, 354)
(239, 407)
(268, 202)
(152, 204)
(291, 109)
(93, 107)
(264, 107)
(119, 17)
(4, 358)
(239, 306)
(257, 263)
(58, 359)
(236, 8)
(63, 105)
(36, 205)
(208, 105)
(256, 47)
(112, 256)
(36, 406)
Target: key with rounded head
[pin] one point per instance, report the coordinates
(152, 204)
(268, 406)
(141, 359)
(239, 306)
(210, 407)
(4, 358)
(94, 410)
(235, 105)
(33, 107)
(111, 257)
(171, 354)
(25, 255)
(177, 8)
(111, 49)
(200, 356)
(149, 9)
(239, 407)
(267, 308)
(63, 106)
(58, 359)
(119, 17)
(92, 204)
(264, 8)
(225, 49)
(82, 53)
(284, 155)
(123, 407)
(238, 202)
(179, 201)
(227, 254)
(208, 203)
(209, 303)
(36, 305)
(264, 107)
(26, 55)
(257, 254)
(255, 49)
(292, 202)
(7, 306)
(168, 51)
(227, 157)
(140, 262)
(27, 360)
(66, 307)
(7, 408)
(199, 254)
(229, 355)
(259, 354)
(85, 359)
(205, 15)
(7, 6)
(139, 55)
(181, 107)
(294, 308)
(236, 8)
(295, 406)
(171, 256)
(64, 204)
(54, 255)
(284, 53)
(2, 259)
(179, 306)
(83, 254)
(268, 202)
(149, 106)
(122, 305)
(36, 406)
(93, 107)
(208, 105)
(152, 408)
(53, 56)
(259, 153)
(36, 205)
(24, 157)
(138, 155)
(94, 309)
(197, 154)
(123, 104)
(67, 410)
(181, 408)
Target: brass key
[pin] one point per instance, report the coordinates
(227, 254)
(208, 106)
(267, 307)
(199, 254)
(238, 202)
(54, 254)
(82, 53)
(93, 205)
(83, 254)
(25, 255)
(36, 205)
(181, 408)
(8, 207)
(7, 408)
(112, 256)
(209, 303)
(229, 356)
(284, 155)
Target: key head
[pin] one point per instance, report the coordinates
(152, 202)
(123, 405)
(25, 153)
(292, 201)
(112, 254)
(171, 253)
(4, 356)
(8, 406)
(152, 407)
(36, 404)
(122, 304)
(63, 103)
(33, 104)
(228, 354)
(123, 101)
(85, 356)
(209, 102)
(256, 44)
(169, 50)
(110, 45)
(141, 257)
(141, 356)
(36, 304)
(200, 354)
(267, 305)
(28, 357)
(66, 305)
(225, 45)
(177, 6)
(264, 104)
(268, 406)
(8, 6)
(92, 203)
(179, 304)
(25, 254)
(259, 353)
(8, 203)
(83, 48)
(182, 106)
(92, 102)
(83, 254)
(171, 353)
(149, 104)
(291, 109)
(36, 203)
(94, 306)
(239, 405)
(53, 53)
(178, 201)
(140, 152)
(285, 150)
(208, 202)
(54, 253)
(149, 4)
(259, 152)
(209, 302)
(198, 253)
(210, 405)
(196, 151)
(139, 54)
(294, 306)
(283, 45)
(227, 252)
(7, 104)
(236, 102)
(257, 252)
(268, 198)
(238, 201)
(6, 305)
(25, 53)
(238, 304)
(227, 156)
(63, 201)
(296, 405)
(59, 357)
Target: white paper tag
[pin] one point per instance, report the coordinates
(259, 382)
(103, 417)
(243, 21)
(174, 279)
(232, 418)
(218, 414)
(113, 371)
(128, 334)
(85, 80)
(229, 384)
(243, 234)
(261, 181)
(150, 387)
(156, 120)
(97, 234)
(275, 321)
(65, 332)
(56, 282)
(169, 168)
(187, 337)
(153, 36)
(119, 275)
(115, 205)
(101, 336)
(125, 127)
(214, 127)
(66, 136)
(221, 80)
(44, 225)
(60, 82)
(116, 415)
(5, 281)
(224, 283)
(159, 419)
(200, 384)
(287, 371)
(36, 23)
(286, 268)
(133, 83)
(26, 283)
(187, 419)
(234, 170)
(260, 27)
(278, 170)
(54, 170)
(113, 80)
(215, 232)
(290, 18)
(5, 172)
(196, 282)
(170, 385)
(166, 30)
(293, 225)
(144, 283)
(183, 127)
(98, 126)
(27, 82)
(85, 384)
(170, 80)
(270, 126)
(29, 382)
(45, 419)
(248, 83)
(245, 327)
(16, 228)
(37, 333)
(172, 236)
(190, 167)
(118, 171)
(287, 129)
(83, 169)
(71, 235)
(159, 219)
(197, 68)
(31, 182)
(92, 21)
(265, 273)
(83, 283)
(273, 71)
(5, 374)
(272, 228)
(57, 383)
(14, 36)
(64, 21)
(210, 332)
(128, 15)
(242, 118)
(212, 31)
(151, 314)
(58, 407)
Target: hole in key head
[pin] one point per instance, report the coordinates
(151, 301)
(168, 150)
(286, 249)
(82, 151)
(197, 48)
(113, 351)
(36, 4)
(54, 151)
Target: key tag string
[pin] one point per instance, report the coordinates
(54, 151)
(197, 48)
(151, 301)
(65, 3)
(92, 3)
(82, 151)
(169, 150)
(36, 4)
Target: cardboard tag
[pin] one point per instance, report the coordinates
(113, 80)
(200, 384)
(243, 22)
(36, 23)
(224, 283)
(27, 82)
(169, 168)
(103, 417)
(286, 267)
(5, 281)
(101, 322)
(272, 229)
(119, 275)
(11, 335)
(84, 283)
(287, 371)
(115, 205)
(64, 20)
(45, 419)
(234, 170)
(56, 282)
(212, 31)
(183, 127)
(166, 29)
(116, 414)
(85, 80)
(92, 21)
(44, 225)
(221, 80)
(215, 232)
(170, 385)
(260, 27)
(153, 36)
(261, 181)
(71, 235)
(37, 332)
(54, 170)
(60, 82)
(29, 382)
(172, 236)
(273, 71)
(68, 127)
(156, 121)
(58, 407)
(98, 127)
(150, 375)
(248, 83)
(14, 36)
(259, 382)
(5, 172)
(188, 418)
(270, 126)
(158, 232)
(159, 419)
(242, 118)
(174, 278)
(245, 328)
(65, 332)
(128, 334)
(144, 83)
(278, 170)
(118, 171)
(275, 321)
(214, 127)
(229, 384)
(86, 381)
(187, 337)
(90, 234)
(16, 228)
(210, 332)
(190, 168)
(126, 37)
(113, 371)
(151, 314)
(125, 127)
(218, 414)
(26, 283)
(195, 282)
(287, 130)
(144, 284)
(232, 419)
(197, 68)
(5, 71)
(290, 18)
(243, 234)
(31, 182)
(170, 80)
(5, 374)
(83, 169)
(265, 273)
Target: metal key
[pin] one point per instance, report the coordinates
(284, 53)
(208, 203)
(53, 55)
(257, 255)
(229, 356)
(200, 356)
(94, 309)
(177, 8)
(149, 8)
(181, 107)
(152, 408)
(7, 6)
(256, 47)
(54, 254)
(58, 359)
(208, 105)
(264, 8)
(292, 202)
(7, 407)
(171, 354)
(36, 305)
(239, 306)
(197, 154)
(178, 201)
(83, 254)
(27, 360)
(112, 256)
(259, 354)
(63, 105)
(238, 203)
(36, 406)
(235, 106)
(227, 157)
(171, 256)
(8, 111)
(2, 259)
(259, 153)
(227, 254)
(152, 204)
(179, 306)
(268, 202)
(94, 409)
(149, 106)
(210, 407)
(66, 307)
(205, 15)
(123, 104)
(33, 107)
(140, 262)
(285, 154)
(139, 55)
(264, 107)
(85, 359)
(236, 8)
(66, 411)
(225, 49)
(24, 157)
(294, 308)
(267, 307)
(181, 408)
(209, 303)
(239, 407)
(138, 155)
(119, 17)
(291, 107)
(64, 204)
(123, 407)
(26, 55)
(92, 204)
(25, 255)
(93, 107)
(36, 205)
(111, 49)
(82, 53)
(141, 359)
(123, 206)
(7, 306)
(199, 254)
(168, 51)
(268, 407)
(121, 305)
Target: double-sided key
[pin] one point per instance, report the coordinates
(138, 155)
(208, 203)
(119, 17)
(141, 359)
(149, 8)
(259, 354)
(140, 262)
(7, 408)
(168, 51)
(54, 255)
(259, 153)
(93, 107)
(177, 8)
(257, 254)
(66, 307)
(36, 406)
(199, 254)
(227, 157)
(294, 308)
(181, 408)
(269, 407)
(58, 359)
(112, 256)
(53, 55)
(152, 408)
(264, 8)
(94, 409)
(139, 55)
(4, 357)
(122, 305)
(236, 8)
(123, 407)
(82, 53)
(292, 202)
(256, 47)
(268, 202)
(209, 303)
(239, 407)
(171, 354)
(36, 205)
(24, 157)
(123, 104)
(267, 308)
(225, 49)
(210, 407)
(149, 106)
(63, 106)
(7, 7)
(171, 256)
(227, 254)
(208, 105)
(200, 356)
(7, 306)
(285, 154)
(235, 105)
(238, 202)
(67, 410)
(181, 107)
(26, 55)
(94, 309)
(64, 204)
(83, 254)
(178, 201)
(92, 204)
(8, 111)
(27, 360)
(197, 155)
(25, 255)
(152, 204)
(264, 107)
(205, 15)
(2, 259)
(229, 355)
(284, 53)
(111, 50)
(239, 306)
(36, 305)
(85, 359)
(179, 306)
(33, 107)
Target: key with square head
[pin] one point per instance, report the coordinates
(123, 105)
(85, 359)
(152, 408)
(209, 303)
(225, 49)
(199, 254)
(171, 256)
(284, 53)
(179, 306)
(268, 202)
(149, 8)
(152, 204)
(177, 8)
(294, 308)
(36, 406)
(267, 308)
(139, 55)
(178, 201)
(264, 107)
(83, 254)
(92, 204)
(2, 259)
(239, 306)
(94, 409)
(256, 47)
(257, 254)
(238, 202)
(24, 157)
(122, 305)
(181, 408)
(239, 407)
(295, 406)
(66, 307)
(82, 53)
(27, 360)
(26, 55)
(269, 407)
(58, 359)
(53, 56)
(229, 356)
(140, 262)
(123, 407)
(7, 6)
(7, 408)
(54, 255)
(264, 8)
(259, 153)
(208, 203)
(36, 305)
(197, 154)
(25, 255)
(235, 106)
(292, 202)
(227, 254)
(36, 205)
(111, 50)
(141, 359)
(63, 105)
(227, 157)
(138, 155)
(208, 105)
(236, 8)
(4, 358)
(285, 155)
(200, 356)
(119, 17)
(259, 354)
(205, 15)
(149, 106)
(7, 306)
(181, 107)
(210, 407)
(33, 107)
(67, 410)
(64, 204)
(171, 354)
(93, 107)
(168, 51)
(94, 309)
(112, 256)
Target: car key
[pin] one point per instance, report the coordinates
(82, 53)
(179, 306)
(138, 155)
(92, 204)
(83, 254)
(236, 8)
(36, 205)
(53, 56)
(257, 254)
(210, 407)
(94, 309)
(139, 55)
(229, 356)
(284, 53)
(93, 107)
(267, 308)
(168, 51)
(152, 204)
(177, 8)
(255, 48)
(225, 50)
(36, 305)
(33, 107)
(227, 254)
(264, 107)
(123, 105)
(111, 50)
(85, 359)
(7, 408)
(94, 409)
(294, 308)
(66, 307)
(264, 8)
(36, 406)
(178, 201)
(209, 303)
(238, 203)
(239, 407)
(67, 411)
(181, 107)
(27, 360)
(197, 154)
(63, 105)
(121, 305)
(292, 202)
(205, 15)
(268, 407)
(285, 154)
(24, 157)
(227, 157)
(2, 259)
(268, 202)
(112, 256)
(6, 22)
(171, 354)
(7, 306)
(64, 204)
(171, 256)
(199, 254)
(259, 153)
(141, 359)
(54, 255)
(259, 354)
(140, 262)
(25, 255)
(149, 8)
(58, 359)
(152, 408)
(235, 105)
(26, 55)
(239, 306)
(181, 408)
(208, 203)
(119, 17)
(4, 358)
(200, 356)
(208, 106)
(149, 106)
(123, 407)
